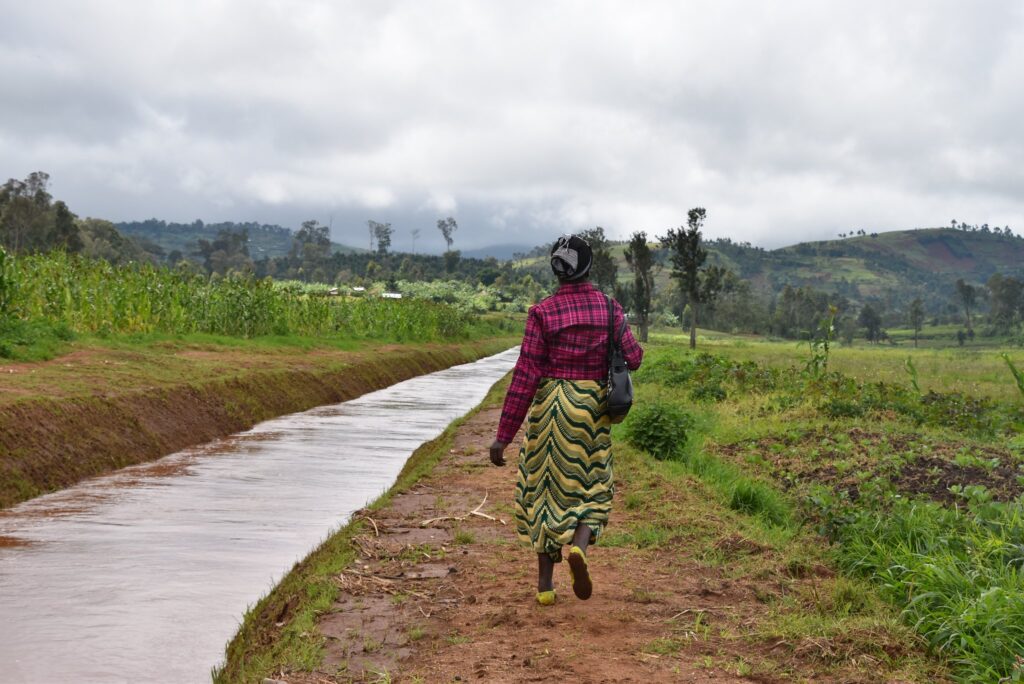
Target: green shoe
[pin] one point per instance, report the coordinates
(546, 598)
(582, 586)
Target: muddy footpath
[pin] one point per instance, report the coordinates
(440, 591)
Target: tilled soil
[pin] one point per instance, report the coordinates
(913, 464)
(442, 592)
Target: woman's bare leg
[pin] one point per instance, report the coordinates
(545, 569)
(582, 537)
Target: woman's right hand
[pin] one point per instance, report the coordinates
(498, 452)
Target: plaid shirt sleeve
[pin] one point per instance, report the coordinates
(632, 352)
(525, 378)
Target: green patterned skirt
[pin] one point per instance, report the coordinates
(565, 465)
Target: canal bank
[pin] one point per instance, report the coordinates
(96, 410)
(143, 574)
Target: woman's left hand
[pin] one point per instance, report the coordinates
(498, 452)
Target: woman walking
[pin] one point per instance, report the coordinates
(564, 489)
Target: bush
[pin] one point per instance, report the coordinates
(660, 429)
(710, 392)
(756, 498)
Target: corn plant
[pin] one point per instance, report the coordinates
(820, 345)
(911, 369)
(1017, 375)
(7, 282)
(94, 297)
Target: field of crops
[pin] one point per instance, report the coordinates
(70, 295)
(915, 481)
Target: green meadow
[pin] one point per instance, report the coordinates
(907, 465)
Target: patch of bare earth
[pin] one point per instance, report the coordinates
(913, 464)
(442, 592)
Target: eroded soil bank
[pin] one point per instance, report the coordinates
(430, 585)
(94, 411)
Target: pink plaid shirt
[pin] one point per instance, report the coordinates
(566, 337)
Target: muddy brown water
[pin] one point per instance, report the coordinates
(143, 575)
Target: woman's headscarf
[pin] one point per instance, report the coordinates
(571, 258)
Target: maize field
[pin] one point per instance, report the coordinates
(94, 297)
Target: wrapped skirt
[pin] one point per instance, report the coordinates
(565, 465)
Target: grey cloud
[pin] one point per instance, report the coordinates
(787, 122)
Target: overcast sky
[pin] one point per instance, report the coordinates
(787, 121)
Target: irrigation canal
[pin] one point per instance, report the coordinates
(143, 575)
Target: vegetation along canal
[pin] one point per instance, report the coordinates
(144, 575)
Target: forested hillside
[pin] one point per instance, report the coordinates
(264, 240)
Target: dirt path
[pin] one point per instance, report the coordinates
(440, 594)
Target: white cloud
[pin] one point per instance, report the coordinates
(786, 122)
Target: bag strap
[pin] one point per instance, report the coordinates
(611, 327)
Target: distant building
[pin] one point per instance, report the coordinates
(392, 295)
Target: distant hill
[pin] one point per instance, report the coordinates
(502, 252)
(896, 266)
(870, 265)
(264, 240)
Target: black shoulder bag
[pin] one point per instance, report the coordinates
(620, 386)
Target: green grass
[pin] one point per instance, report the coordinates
(464, 536)
(33, 340)
(955, 573)
(678, 508)
(978, 371)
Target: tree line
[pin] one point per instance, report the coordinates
(705, 290)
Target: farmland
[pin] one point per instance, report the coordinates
(49, 300)
(913, 472)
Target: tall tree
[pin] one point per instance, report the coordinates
(698, 284)
(967, 298)
(312, 240)
(1007, 294)
(641, 262)
(382, 232)
(916, 317)
(26, 220)
(603, 271)
(66, 234)
(871, 321)
(229, 251)
(447, 226)
(310, 251)
(415, 237)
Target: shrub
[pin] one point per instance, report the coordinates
(709, 392)
(756, 498)
(659, 428)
